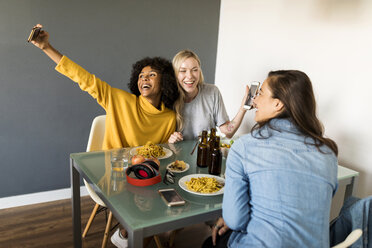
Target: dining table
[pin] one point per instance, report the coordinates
(141, 210)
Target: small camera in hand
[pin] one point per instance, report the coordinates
(34, 34)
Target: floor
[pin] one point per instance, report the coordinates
(50, 225)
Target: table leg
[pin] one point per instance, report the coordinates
(135, 239)
(75, 200)
(350, 188)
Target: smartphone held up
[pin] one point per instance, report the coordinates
(253, 89)
(34, 34)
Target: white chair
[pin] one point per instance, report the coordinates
(97, 133)
(350, 239)
(95, 141)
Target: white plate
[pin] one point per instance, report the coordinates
(183, 180)
(228, 141)
(168, 152)
(178, 171)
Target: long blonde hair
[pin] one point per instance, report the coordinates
(178, 59)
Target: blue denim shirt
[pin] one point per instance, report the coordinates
(278, 190)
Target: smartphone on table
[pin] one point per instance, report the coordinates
(253, 89)
(34, 33)
(171, 197)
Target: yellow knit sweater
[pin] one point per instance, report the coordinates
(130, 120)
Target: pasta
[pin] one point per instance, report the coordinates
(204, 185)
(178, 165)
(150, 150)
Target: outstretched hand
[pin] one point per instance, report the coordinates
(42, 40)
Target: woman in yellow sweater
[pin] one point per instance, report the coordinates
(131, 119)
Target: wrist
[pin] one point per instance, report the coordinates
(243, 110)
(45, 46)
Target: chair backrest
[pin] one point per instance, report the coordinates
(97, 133)
(95, 141)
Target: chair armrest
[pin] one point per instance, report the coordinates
(350, 239)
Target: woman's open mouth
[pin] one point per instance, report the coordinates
(189, 83)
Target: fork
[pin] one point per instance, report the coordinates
(196, 144)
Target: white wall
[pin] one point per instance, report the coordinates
(330, 40)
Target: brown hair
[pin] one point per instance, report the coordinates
(294, 89)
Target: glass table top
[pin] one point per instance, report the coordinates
(143, 206)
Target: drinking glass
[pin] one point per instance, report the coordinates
(119, 160)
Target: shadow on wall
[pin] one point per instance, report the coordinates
(247, 123)
(337, 10)
(349, 152)
(352, 137)
(331, 10)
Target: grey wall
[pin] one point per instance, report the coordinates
(43, 115)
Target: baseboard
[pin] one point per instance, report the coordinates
(39, 197)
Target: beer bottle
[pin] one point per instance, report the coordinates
(215, 163)
(203, 151)
(212, 135)
(216, 142)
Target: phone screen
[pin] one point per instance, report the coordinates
(171, 197)
(252, 93)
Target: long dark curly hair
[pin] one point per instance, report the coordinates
(169, 90)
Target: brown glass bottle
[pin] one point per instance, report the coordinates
(215, 142)
(212, 135)
(214, 167)
(203, 151)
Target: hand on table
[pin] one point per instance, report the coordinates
(175, 137)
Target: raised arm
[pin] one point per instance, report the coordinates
(229, 128)
(42, 42)
(88, 82)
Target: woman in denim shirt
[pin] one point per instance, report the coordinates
(280, 179)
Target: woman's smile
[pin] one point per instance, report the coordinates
(189, 76)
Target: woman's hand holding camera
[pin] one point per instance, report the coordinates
(42, 41)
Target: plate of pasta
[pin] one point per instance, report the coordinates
(202, 184)
(151, 150)
(178, 166)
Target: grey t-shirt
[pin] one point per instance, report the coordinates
(205, 111)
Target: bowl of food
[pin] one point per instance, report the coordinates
(225, 145)
(151, 150)
(178, 166)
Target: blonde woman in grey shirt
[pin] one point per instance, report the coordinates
(200, 105)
